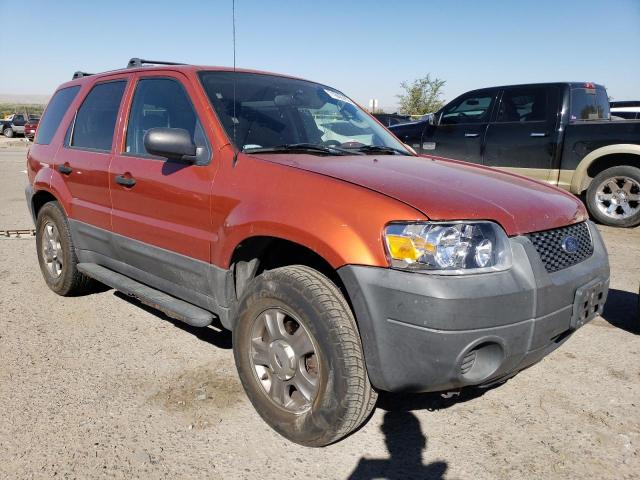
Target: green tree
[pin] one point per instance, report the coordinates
(421, 96)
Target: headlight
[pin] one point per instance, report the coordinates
(448, 248)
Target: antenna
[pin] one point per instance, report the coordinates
(235, 119)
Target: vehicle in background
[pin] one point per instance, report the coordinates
(30, 127)
(342, 268)
(628, 109)
(389, 119)
(558, 133)
(12, 125)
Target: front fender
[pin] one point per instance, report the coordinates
(340, 221)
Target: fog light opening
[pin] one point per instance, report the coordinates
(482, 361)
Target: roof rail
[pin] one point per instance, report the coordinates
(80, 74)
(139, 62)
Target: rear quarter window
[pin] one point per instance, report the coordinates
(58, 105)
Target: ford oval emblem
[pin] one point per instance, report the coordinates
(570, 244)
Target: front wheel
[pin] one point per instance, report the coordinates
(299, 356)
(8, 132)
(613, 197)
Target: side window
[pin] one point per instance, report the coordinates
(162, 102)
(473, 108)
(523, 105)
(52, 117)
(96, 117)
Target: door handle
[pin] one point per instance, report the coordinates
(65, 169)
(538, 134)
(125, 181)
(471, 135)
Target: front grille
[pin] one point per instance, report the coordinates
(548, 244)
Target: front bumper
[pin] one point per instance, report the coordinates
(423, 332)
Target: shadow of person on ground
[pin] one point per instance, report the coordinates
(405, 444)
(621, 310)
(215, 334)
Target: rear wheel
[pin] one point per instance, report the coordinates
(56, 253)
(613, 197)
(299, 356)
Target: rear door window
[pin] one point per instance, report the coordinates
(473, 108)
(96, 118)
(52, 117)
(523, 105)
(589, 103)
(162, 103)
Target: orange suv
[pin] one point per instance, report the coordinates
(343, 262)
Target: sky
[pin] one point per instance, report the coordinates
(365, 49)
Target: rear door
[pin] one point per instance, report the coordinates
(83, 160)
(461, 127)
(524, 134)
(161, 208)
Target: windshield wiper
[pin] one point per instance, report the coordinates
(300, 147)
(381, 149)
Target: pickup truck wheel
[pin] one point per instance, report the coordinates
(299, 356)
(613, 197)
(8, 132)
(56, 253)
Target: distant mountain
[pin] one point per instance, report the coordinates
(26, 99)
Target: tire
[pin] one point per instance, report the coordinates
(8, 132)
(343, 398)
(613, 197)
(68, 281)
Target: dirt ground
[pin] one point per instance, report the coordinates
(100, 387)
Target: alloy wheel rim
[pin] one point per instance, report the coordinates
(52, 249)
(618, 197)
(284, 360)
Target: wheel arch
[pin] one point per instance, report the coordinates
(600, 159)
(39, 199)
(255, 254)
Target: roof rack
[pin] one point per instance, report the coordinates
(80, 74)
(139, 62)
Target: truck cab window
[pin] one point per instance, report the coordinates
(523, 105)
(469, 109)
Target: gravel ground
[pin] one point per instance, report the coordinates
(100, 387)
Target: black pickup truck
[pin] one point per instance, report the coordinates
(13, 124)
(559, 133)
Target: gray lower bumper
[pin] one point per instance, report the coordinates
(424, 332)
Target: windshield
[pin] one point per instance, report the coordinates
(589, 104)
(271, 111)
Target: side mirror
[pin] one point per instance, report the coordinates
(432, 119)
(172, 143)
(410, 148)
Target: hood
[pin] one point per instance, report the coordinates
(450, 190)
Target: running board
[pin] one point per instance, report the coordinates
(172, 306)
